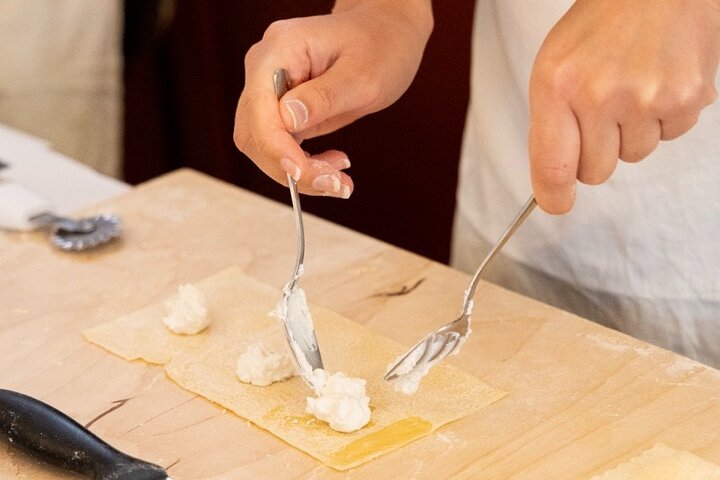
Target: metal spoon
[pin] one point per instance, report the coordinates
(299, 330)
(442, 342)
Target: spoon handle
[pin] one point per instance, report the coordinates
(517, 221)
(281, 83)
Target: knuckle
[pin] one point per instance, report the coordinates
(280, 29)
(326, 95)
(241, 137)
(705, 93)
(372, 88)
(690, 95)
(598, 94)
(687, 97)
(279, 34)
(263, 152)
(252, 55)
(555, 77)
(645, 98)
(242, 134)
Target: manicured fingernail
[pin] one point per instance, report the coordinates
(341, 164)
(298, 111)
(290, 168)
(345, 192)
(327, 183)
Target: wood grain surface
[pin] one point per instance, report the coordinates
(582, 398)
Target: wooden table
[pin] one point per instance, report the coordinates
(582, 398)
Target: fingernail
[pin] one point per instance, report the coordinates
(327, 183)
(345, 192)
(341, 164)
(298, 111)
(290, 168)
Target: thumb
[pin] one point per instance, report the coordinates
(331, 94)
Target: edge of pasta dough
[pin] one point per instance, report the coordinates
(239, 307)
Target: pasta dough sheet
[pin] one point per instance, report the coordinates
(239, 306)
(663, 463)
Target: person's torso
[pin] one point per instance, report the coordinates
(652, 230)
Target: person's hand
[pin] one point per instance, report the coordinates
(342, 66)
(612, 79)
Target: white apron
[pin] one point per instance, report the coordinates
(61, 76)
(640, 253)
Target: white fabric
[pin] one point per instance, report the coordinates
(640, 253)
(61, 75)
(64, 183)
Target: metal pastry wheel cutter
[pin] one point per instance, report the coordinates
(23, 210)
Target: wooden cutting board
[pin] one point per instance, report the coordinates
(582, 398)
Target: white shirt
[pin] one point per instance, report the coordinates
(640, 253)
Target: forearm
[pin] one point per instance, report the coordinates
(417, 12)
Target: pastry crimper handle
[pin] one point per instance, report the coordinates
(51, 436)
(18, 206)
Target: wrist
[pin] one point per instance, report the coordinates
(417, 12)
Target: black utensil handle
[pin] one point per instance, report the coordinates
(49, 435)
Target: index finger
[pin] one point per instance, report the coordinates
(554, 146)
(261, 135)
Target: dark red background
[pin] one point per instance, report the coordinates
(184, 73)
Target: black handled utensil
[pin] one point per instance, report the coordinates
(51, 436)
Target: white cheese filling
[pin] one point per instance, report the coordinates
(341, 401)
(410, 373)
(187, 313)
(262, 367)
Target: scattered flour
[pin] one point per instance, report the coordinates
(449, 439)
(683, 365)
(615, 345)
